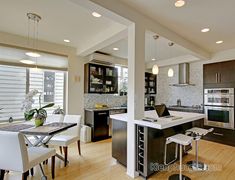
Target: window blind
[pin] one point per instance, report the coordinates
(12, 92)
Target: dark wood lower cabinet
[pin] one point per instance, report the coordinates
(119, 141)
(221, 135)
(99, 123)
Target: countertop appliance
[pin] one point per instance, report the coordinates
(219, 107)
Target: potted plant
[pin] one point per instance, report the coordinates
(39, 114)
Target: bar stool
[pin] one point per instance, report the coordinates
(182, 140)
(197, 134)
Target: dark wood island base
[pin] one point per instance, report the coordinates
(150, 145)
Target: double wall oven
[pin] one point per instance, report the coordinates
(219, 107)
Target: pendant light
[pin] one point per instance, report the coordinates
(34, 18)
(170, 70)
(155, 68)
(179, 3)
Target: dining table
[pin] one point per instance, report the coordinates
(38, 136)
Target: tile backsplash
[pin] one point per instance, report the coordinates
(109, 99)
(189, 95)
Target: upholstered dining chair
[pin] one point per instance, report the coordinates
(15, 156)
(69, 136)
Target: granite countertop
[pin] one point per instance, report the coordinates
(162, 123)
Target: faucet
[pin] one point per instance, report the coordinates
(178, 102)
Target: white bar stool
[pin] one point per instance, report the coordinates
(197, 134)
(182, 140)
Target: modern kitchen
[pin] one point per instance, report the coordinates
(151, 84)
(197, 94)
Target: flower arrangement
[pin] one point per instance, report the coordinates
(28, 102)
(40, 114)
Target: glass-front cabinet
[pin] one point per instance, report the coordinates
(101, 79)
(150, 83)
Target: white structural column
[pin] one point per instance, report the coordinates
(135, 100)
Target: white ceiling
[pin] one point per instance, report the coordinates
(188, 20)
(158, 49)
(13, 55)
(61, 19)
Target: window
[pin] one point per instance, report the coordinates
(15, 82)
(122, 80)
(50, 84)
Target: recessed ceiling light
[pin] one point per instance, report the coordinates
(153, 59)
(205, 30)
(95, 14)
(219, 42)
(26, 61)
(179, 3)
(115, 49)
(32, 54)
(66, 40)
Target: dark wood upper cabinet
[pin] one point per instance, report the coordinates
(227, 71)
(210, 73)
(219, 74)
(100, 79)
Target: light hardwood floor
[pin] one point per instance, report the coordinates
(96, 163)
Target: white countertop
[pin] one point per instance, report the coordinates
(162, 123)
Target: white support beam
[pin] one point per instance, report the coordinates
(118, 11)
(173, 61)
(101, 42)
(135, 100)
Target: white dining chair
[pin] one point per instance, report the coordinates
(15, 156)
(69, 136)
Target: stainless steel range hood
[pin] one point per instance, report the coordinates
(184, 75)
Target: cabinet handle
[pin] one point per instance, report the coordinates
(220, 77)
(216, 77)
(108, 121)
(102, 113)
(218, 134)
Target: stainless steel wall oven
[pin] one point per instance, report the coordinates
(219, 107)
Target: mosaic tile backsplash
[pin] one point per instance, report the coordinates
(109, 99)
(189, 95)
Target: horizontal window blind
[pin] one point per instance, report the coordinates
(37, 81)
(12, 92)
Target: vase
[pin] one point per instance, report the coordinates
(39, 122)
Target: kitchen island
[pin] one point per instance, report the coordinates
(150, 138)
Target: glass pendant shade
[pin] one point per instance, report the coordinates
(155, 69)
(170, 72)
